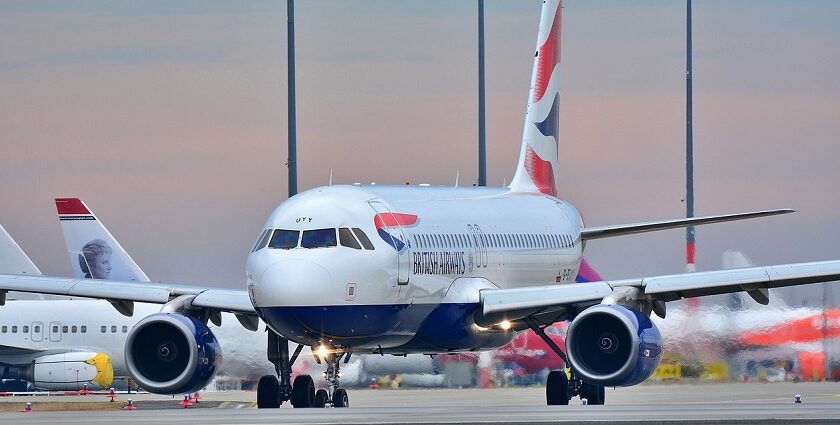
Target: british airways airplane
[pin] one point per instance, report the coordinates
(398, 270)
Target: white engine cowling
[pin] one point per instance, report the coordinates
(72, 371)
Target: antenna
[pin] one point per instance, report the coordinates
(330, 184)
(689, 150)
(457, 176)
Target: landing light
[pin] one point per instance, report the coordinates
(505, 325)
(322, 352)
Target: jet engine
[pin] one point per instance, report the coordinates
(171, 353)
(71, 371)
(613, 346)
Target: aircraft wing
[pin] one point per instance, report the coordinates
(229, 300)
(14, 350)
(520, 303)
(629, 229)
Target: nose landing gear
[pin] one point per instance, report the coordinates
(273, 390)
(333, 395)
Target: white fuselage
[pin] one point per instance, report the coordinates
(44, 327)
(435, 248)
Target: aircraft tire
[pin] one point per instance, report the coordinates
(320, 398)
(340, 398)
(268, 392)
(557, 388)
(303, 392)
(594, 394)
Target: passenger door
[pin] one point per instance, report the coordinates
(55, 331)
(399, 243)
(37, 334)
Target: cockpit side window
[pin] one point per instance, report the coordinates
(262, 241)
(318, 238)
(259, 239)
(346, 238)
(284, 239)
(363, 238)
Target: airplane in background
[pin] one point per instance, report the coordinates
(408, 269)
(68, 344)
(32, 345)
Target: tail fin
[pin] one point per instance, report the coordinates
(12, 259)
(537, 165)
(94, 253)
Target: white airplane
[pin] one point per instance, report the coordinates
(52, 354)
(67, 344)
(397, 270)
(94, 250)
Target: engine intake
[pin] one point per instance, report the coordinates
(170, 353)
(613, 346)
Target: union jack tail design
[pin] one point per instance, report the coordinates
(537, 165)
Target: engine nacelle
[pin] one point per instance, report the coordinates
(71, 371)
(170, 353)
(613, 346)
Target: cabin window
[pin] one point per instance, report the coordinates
(83, 328)
(363, 238)
(65, 329)
(54, 329)
(103, 329)
(318, 238)
(73, 329)
(37, 329)
(4, 329)
(113, 329)
(26, 329)
(285, 239)
(346, 238)
(14, 329)
(125, 329)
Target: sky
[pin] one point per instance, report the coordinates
(169, 119)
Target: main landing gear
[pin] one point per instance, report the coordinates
(560, 386)
(272, 390)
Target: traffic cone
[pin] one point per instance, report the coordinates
(27, 408)
(196, 397)
(111, 394)
(129, 405)
(84, 390)
(797, 399)
(187, 402)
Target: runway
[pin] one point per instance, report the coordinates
(718, 403)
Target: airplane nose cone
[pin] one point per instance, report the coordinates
(292, 283)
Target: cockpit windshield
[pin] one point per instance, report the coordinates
(315, 238)
(284, 239)
(318, 238)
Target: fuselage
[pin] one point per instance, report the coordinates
(415, 287)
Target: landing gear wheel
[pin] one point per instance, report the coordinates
(340, 398)
(303, 392)
(594, 394)
(320, 398)
(557, 388)
(268, 392)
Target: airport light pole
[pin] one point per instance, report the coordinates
(482, 145)
(290, 59)
(689, 150)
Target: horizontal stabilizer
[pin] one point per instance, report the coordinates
(589, 233)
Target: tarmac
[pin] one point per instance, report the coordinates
(648, 403)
